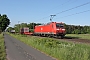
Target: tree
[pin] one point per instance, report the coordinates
(4, 22)
(72, 29)
(9, 29)
(17, 27)
(22, 25)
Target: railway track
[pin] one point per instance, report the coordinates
(78, 40)
(71, 39)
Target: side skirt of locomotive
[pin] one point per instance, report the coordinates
(59, 35)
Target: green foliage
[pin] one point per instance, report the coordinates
(9, 29)
(31, 30)
(72, 29)
(4, 22)
(59, 49)
(17, 27)
(2, 48)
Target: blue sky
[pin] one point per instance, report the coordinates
(39, 11)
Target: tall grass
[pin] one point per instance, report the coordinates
(2, 48)
(59, 49)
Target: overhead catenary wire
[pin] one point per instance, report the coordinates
(69, 9)
(74, 14)
(73, 8)
(57, 6)
(63, 3)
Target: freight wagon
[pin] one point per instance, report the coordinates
(25, 31)
(12, 31)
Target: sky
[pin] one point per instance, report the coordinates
(72, 12)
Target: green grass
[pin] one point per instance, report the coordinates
(59, 49)
(2, 48)
(80, 36)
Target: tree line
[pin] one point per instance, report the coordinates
(17, 27)
(70, 29)
(73, 29)
(4, 22)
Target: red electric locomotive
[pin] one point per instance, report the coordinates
(52, 29)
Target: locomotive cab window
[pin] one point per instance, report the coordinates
(59, 25)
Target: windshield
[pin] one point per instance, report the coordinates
(58, 25)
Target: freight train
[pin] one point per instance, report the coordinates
(52, 29)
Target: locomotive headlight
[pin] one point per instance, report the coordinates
(57, 29)
(63, 29)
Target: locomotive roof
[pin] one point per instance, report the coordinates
(49, 23)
